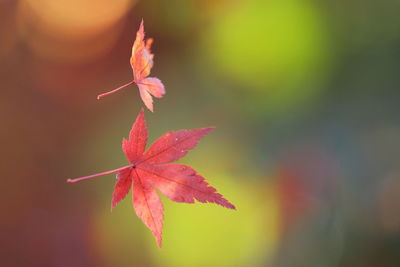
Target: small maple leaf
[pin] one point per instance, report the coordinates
(141, 63)
(148, 170)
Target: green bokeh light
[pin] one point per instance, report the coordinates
(276, 50)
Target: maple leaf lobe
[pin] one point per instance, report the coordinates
(174, 145)
(122, 187)
(136, 143)
(148, 206)
(181, 183)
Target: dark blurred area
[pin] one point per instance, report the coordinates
(304, 95)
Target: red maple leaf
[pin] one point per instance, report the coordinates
(148, 170)
(141, 63)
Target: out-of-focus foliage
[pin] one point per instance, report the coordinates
(276, 50)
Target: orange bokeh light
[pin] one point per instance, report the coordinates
(89, 28)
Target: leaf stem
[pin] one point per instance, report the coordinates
(115, 90)
(71, 181)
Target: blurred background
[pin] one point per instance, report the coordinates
(305, 98)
